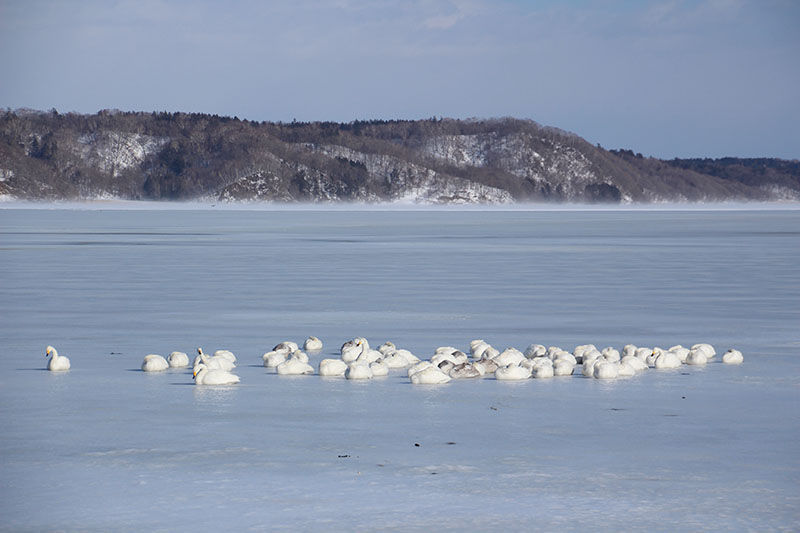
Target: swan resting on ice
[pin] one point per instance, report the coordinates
(56, 362)
(154, 363)
(203, 376)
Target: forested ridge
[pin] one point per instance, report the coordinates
(185, 156)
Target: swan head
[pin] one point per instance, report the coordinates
(200, 351)
(50, 350)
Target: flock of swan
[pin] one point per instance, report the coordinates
(358, 361)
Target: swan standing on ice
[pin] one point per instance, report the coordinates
(154, 363)
(178, 360)
(56, 362)
(203, 376)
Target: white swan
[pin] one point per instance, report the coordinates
(294, 366)
(212, 362)
(387, 347)
(154, 363)
(509, 356)
(379, 368)
(332, 367)
(604, 370)
(286, 346)
(610, 354)
(707, 348)
(512, 373)
(667, 360)
(634, 362)
(464, 371)
(542, 370)
(227, 354)
(273, 358)
(430, 376)
(56, 362)
(696, 357)
(477, 347)
(535, 350)
(733, 357)
(562, 367)
(367, 354)
(358, 370)
(312, 344)
(178, 360)
(681, 352)
(204, 376)
(419, 367)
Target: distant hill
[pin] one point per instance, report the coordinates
(180, 156)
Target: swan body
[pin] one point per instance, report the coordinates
(387, 347)
(696, 357)
(332, 367)
(634, 362)
(154, 363)
(350, 352)
(587, 367)
(204, 376)
(396, 359)
(681, 352)
(512, 373)
(543, 371)
(606, 371)
(477, 347)
(667, 360)
(535, 350)
(707, 348)
(379, 368)
(439, 357)
(358, 370)
(628, 349)
(178, 360)
(273, 358)
(213, 362)
(489, 366)
(563, 367)
(464, 371)
(286, 346)
(509, 356)
(419, 367)
(625, 370)
(226, 354)
(610, 354)
(312, 344)
(294, 366)
(490, 353)
(430, 376)
(565, 356)
(445, 366)
(733, 357)
(56, 362)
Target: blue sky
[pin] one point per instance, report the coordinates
(673, 78)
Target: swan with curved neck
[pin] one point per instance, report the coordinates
(203, 376)
(56, 362)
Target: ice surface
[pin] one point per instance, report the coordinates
(108, 447)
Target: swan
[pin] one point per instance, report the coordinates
(429, 376)
(681, 352)
(634, 362)
(273, 358)
(733, 357)
(628, 349)
(56, 362)
(294, 366)
(212, 362)
(535, 350)
(445, 366)
(509, 356)
(489, 353)
(332, 367)
(667, 360)
(178, 360)
(605, 371)
(300, 355)
(511, 373)
(464, 371)
(477, 347)
(379, 368)
(444, 356)
(447, 349)
(227, 354)
(625, 370)
(587, 367)
(312, 344)
(358, 370)
(610, 354)
(387, 347)
(286, 346)
(696, 357)
(487, 366)
(396, 359)
(204, 376)
(565, 356)
(562, 367)
(367, 354)
(154, 363)
(419, 367)
(351, 350)
(707, 348)
(540, 371)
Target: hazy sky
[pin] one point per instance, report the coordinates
(667, 78)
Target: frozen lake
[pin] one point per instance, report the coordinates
(108, 447)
